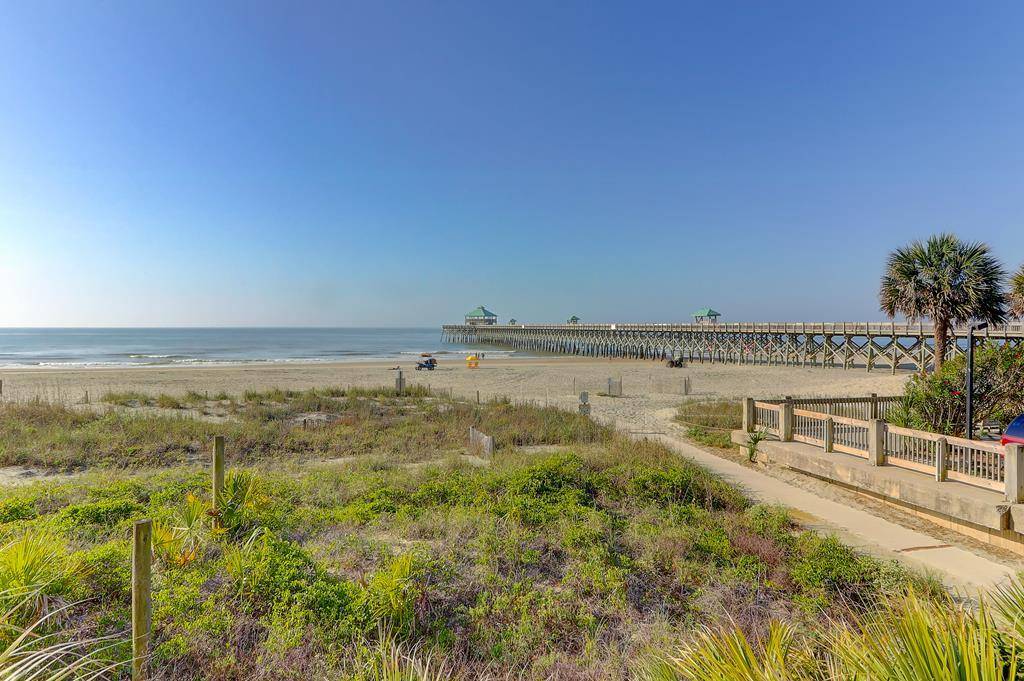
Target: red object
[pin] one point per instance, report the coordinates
(1015, 431)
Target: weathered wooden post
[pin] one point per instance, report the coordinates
(399, 383)
(830, 435)
(748, 415)
(142, 559)
(941, 458)
(1014, 473)
(218, 477)
(786, 421)
(584, 403)
(478, 442)
(478, 397)
(876, 442)
(1, 387)
(874, 406)
(686, 385)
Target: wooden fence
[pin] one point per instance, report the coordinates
(984, 464)
(871, 407)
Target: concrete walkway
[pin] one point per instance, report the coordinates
(956, 566)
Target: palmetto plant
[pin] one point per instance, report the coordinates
(33, 574)
(907, 639)
(729, 654)
(946, 280)
(33, 656)
(1016, 296)
(180, 541)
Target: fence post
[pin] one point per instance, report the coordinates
(399, 383)
(218, 477)
(786, 421)
(1014, 473)
(941, 456)
(585, 403)
(142, 558)
(830, 435)
(748, 415)
(876, 442)
(874, 406)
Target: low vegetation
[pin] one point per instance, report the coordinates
(372, 547)
(276, 424)
(710, 422)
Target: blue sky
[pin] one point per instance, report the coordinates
(398, 163)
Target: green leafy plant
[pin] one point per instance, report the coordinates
(33, 572)
(753, 440)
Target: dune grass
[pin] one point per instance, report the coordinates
(405, 560)
(710, 422)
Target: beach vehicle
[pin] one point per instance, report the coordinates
(429, 364)
(1014, 432)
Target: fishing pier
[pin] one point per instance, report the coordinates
(837, 344)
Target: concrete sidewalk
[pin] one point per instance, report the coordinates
(956, 566)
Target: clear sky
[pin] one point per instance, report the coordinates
(398, 163)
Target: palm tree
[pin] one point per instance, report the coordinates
(1017, 293)
(947, 280)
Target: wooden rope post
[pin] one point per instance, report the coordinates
(142, 606)
(829, 435)
(218, 477)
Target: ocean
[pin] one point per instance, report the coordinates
(70, 348)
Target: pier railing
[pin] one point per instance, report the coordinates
(823, 344)
(974, 462)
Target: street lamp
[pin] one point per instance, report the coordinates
(970, 376)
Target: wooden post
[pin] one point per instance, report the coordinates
(478, 397)
(748, 415)
(876, 442)
(874, 406)
(218, 476)
(830, 435)
(400, 383)
(584, 403)
(1, 387)
(786, 421)
(1014, 473)
(142, 559)
(686, 385)
(941, 458)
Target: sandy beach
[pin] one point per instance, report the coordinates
(647, 386)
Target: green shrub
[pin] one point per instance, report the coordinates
(17, 509)
(106, 571)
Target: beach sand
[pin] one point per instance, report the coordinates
(647, 386)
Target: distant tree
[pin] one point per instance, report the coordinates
(947, 280)
(1017, 293)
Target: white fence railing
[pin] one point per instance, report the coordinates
(974, 462)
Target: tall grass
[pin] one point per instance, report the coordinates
(907, 639)
(711, 422)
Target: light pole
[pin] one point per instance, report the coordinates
(970, 376)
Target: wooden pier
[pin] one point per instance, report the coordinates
(839, 344)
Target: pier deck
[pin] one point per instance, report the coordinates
(825, 344)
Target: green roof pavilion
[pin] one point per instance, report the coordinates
(481, 315)
(706, 315)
